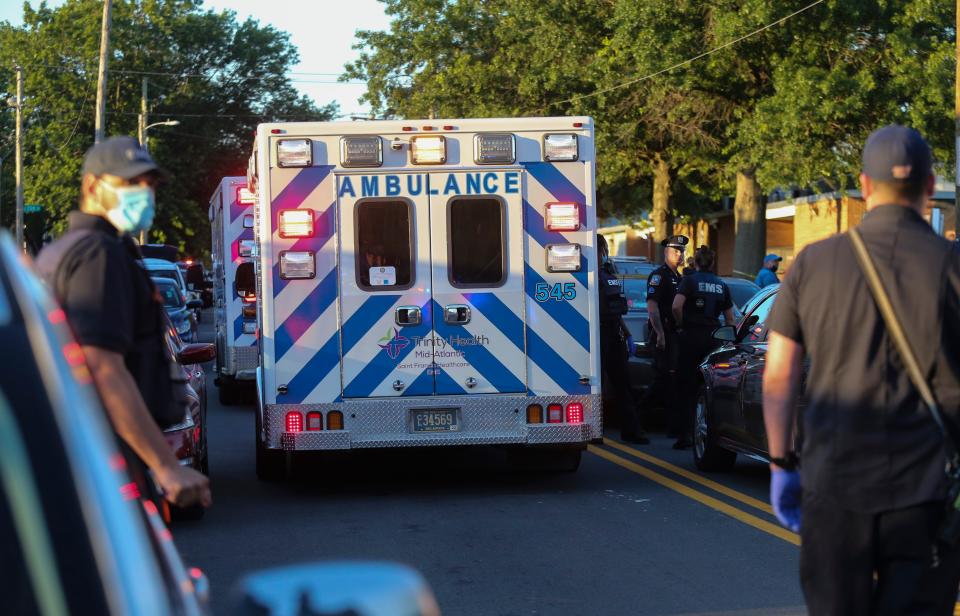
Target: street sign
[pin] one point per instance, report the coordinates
(32, 208)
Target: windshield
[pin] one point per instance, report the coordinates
(741, 291)
(635, 290)
(170, 293)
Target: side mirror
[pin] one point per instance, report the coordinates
(195, 304)
(197, 353)
(245, 281)
(371, 589)
(727, 333)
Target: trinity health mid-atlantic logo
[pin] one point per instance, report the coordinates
(393, 343)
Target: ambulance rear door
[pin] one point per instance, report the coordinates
(386, 316)
(478, 293)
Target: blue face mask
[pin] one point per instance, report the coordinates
(134, 210)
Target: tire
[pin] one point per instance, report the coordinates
(552, 460)
(228, 391)
(707, 454)
(271, 464)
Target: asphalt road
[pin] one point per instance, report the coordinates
(637, 530)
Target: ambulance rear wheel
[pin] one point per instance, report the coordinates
(271, 464)
(550, 460)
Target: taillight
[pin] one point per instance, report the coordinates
(334, 420)
(534, 413)
(314, 421)
(294, 421)
(555, 413)
(296, 223)
(575, 413)
(562, 217)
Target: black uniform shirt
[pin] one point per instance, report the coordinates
(662, 286)
(707, 296)
(111, 303)
(868, 440)
(613, 304)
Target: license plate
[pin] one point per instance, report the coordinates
(436, 420)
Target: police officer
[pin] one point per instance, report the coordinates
(662, 286)
(613, 346)
(873, 487)
(701, 299)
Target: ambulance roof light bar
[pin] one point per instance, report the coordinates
(430, 150)
(494, 149)
(365, 151)
(562, 217)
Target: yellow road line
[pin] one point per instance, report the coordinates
(709, 501)
(713, 485)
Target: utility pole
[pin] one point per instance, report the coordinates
(142, 118)
(18, 145)
(100, 124)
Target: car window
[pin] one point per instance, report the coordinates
(384, 244)
(166, 273)
(741, 292)
(635, 290)
(758, 330)
(170, 293)
(475, 232)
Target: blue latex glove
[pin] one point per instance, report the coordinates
(785, 497)
(630, 346)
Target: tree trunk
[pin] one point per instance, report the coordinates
(661, 215)
(750, 224)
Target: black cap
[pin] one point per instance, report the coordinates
(119, 156)
(897, 154)
(676, 241)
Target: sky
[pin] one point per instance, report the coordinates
(323, 32)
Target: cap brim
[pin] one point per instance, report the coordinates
(139, 168)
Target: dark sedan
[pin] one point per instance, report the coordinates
(729, 410)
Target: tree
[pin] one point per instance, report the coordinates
(218, 77)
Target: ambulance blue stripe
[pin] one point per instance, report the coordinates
(558, 185)
(237, 327)
(326, 226)
(480, 358)
(305, 315)
(423, 383)
(312, 372)
(537, 229)
(563, 313)
(495, 311)
(360, 322)
(445, 383)
(554, 365)
(380, 367)
(295, 193)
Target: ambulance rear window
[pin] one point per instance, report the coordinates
(384, 244)
(476, 242)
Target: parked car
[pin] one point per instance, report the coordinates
(177, 307)
(160, 268)
(76, 535)
(729, 409)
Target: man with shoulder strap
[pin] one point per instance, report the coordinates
(114, 310)
(868, 499)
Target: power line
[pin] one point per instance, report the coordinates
(689, 60)
(124, 71)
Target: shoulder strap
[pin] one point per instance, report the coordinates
(895, 329)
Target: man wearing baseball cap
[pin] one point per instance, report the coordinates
(114, 310)
(868, 496)
(768, 273)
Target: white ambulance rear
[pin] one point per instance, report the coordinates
(426, 283)
(235, 314)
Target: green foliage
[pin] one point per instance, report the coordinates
(217, 76)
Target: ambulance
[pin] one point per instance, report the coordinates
(426, 283)
(235, 314)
